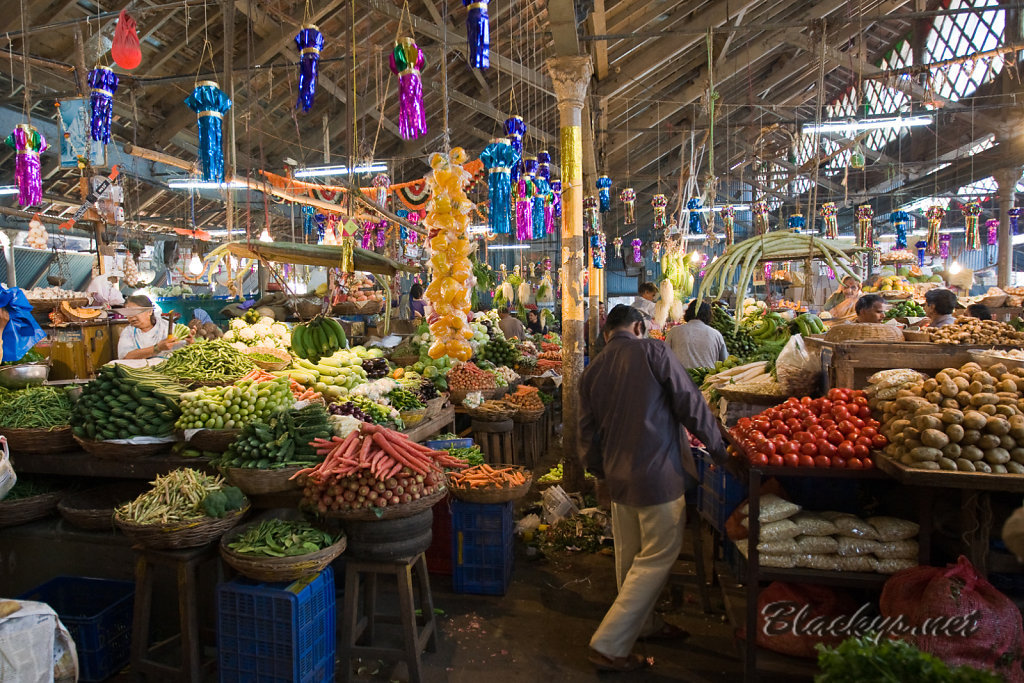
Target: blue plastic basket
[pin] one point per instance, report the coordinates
(445, 444)
(718, 496)
(277, 632)
(481, 547)
(98, 615)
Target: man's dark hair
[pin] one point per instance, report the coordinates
(416, 291)
(943, 300)
(647, 288)
(623, 316)
(868, 301)
(503, 310)
(703, 313)
(979, 311)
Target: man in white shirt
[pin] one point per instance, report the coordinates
(105, 290)
(510, 325)
(644, 302)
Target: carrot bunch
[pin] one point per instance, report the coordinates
(549, 364)
(486, 477)
(546, 347)
(550, 355)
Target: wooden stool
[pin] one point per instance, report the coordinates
(528, 439)
(495, 440)
(185, 564)
(418, 633)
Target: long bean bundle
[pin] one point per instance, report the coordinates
(179, 496)
(36, 408)
(215, 360)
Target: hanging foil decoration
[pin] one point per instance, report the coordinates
(382, 233)
(703, 264)
(992, 225)
(103, 82)
(368, 230)
(382, 182)
(591, 217)
(637, 256)
(944, 246)
(538, 195)
(971, 211)
(617, 243)
(922, 247)
(830, 217)
(209, 103)
(628, 199)
(656, 250)
(901, 222)
(796, 221)
(604, 193)
(309, 41)
(524, 207)
(414, 218)
(692, 206)
(407, 62)
(658, 203)
(597, 249)
(760, 213)
(499, 157)
(934, 214)
(1014, 220)
(28, 144)
(556, 199)
(308, 220)
(768, 267)
(478, 33)
(544, 179)
(320, 220)
(865, 234)
(515, 129)
(728, 214)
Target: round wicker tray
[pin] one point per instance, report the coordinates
(39, 440)
(94, 508)
(214, 440)
(254, 482)
(404, 361)
(363, 308)
(15, 512)
(277, 568)
(285, 361)
(391, 511)
(987, 358)
(522, 415)
(752, 398)
(873, 332)
(493, 414)
(494, 495)
(107, 450)
(996, 301)
(177, 535)
(916, 336)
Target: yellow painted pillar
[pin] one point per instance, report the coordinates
(571, 77)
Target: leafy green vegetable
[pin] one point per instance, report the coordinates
(879, 660)
(219, 503)
(27, 487)
(280, 538)
(32, 356)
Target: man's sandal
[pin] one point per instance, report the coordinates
(666, 632)
(631, 662)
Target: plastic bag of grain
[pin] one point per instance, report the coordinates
(778, 561)
(861, 563)
(773, 508)
(893, 528)
(893, 566)
(854, 547)
(816, 545)
(897, 550)
(823, 561)
(851, 525)
(784, 547)
(813, 524)
(778, 531)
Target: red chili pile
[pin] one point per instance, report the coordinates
(834, 431)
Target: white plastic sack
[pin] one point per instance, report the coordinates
(557, 505)
(7, 476)
(797, 369)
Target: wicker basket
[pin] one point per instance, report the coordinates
(178, 535)
(524, 415)
(411, 418)
(15, 512)
(275, 569)
(285, 361)
(874, 332)
(254, 482)
(307, 309)
(404, 361)
(214, 440)
(108, 450)
(995, 301)
(495, 495)
(391, 511)
(498, 411)
(752, 398)
(362, 308)
(917, 336)
(94, 508)
(989, 358)
(39, 440)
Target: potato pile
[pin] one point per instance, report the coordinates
(974, 331)
(968, 420)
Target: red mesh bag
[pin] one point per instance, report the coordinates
(125, 50)
(928, 593)
(791, 617)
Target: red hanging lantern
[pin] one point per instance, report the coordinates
(125, 50)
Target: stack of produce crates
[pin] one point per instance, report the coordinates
(277, 632)
(482, 537)
(98, 615)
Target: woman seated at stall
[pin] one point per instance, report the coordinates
(843, 304)
(938, 306)
(147, 334)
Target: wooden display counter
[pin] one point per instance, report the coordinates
(443, 422)
(78, 350)
(81, 464)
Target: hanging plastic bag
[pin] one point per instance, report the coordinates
(798, 370)
(125, 50)
(21, 332)
(7, 476)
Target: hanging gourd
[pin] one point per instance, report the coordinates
(971, 211)
(309, 42)
(27, 143)
(857, 160)
(407, 63)
(515, 129)
(830, 218)
(478, 33)
(499, 158)
(934, 214)
(604, 193)
(209, 103)
(103, 83)
(125, 49)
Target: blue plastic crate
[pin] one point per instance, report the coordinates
(445, 444)
(98, 615)
(481, 547)
(277, 632)
(719, 496)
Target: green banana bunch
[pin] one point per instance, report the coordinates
(319, 338)
(806, 324)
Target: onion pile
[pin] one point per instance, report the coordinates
(468, 377)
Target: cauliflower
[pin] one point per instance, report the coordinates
(278, 329)
(240, 346)
(237, 324)
(247, 334)
(230, 335)
(264, 320)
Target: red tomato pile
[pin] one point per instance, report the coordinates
(834, 431)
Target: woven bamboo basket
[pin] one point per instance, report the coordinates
(391, 511)
(995, 301)
(214, 440)
(524, 415)
(15, 512)
(255, 482)
(285, 361)
(404, 361)
(873, 332)
(493, 495)
(916, 336)
(39, 440)
(459, 395)
(273, 569)
(108, 450)
(177, 535)
(94, 508)
(497, 411)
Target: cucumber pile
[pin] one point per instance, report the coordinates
(123, 402)
(235, 406)
(282, 440)
(319, 338)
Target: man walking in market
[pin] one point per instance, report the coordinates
(634, 399)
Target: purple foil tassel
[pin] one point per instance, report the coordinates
(382, 234)
(478, 33)
(28, 143)
(407, 61)
(549, 217)
(556, 188)
(367, 241)
(993, 230)
(309, 42)
(1014, 220)
(524, 211)
(944, 246)
(103, 82)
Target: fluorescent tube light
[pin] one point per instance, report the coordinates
(8, 189)
(855, 125)
(508, 247)
(197, 184)
(718, 207)
(314, 171)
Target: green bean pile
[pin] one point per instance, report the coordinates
(215, 360)
(27, 487)
(278, 538)
(175, 497)
(35, 408)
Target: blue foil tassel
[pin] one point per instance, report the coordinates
(604, 194)
(515, 129)
(103, 82)
(921, 247)
(209, 102)
(900, 221)
(692, 204)
(478, 33)
(309, 43)
(500, 157)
